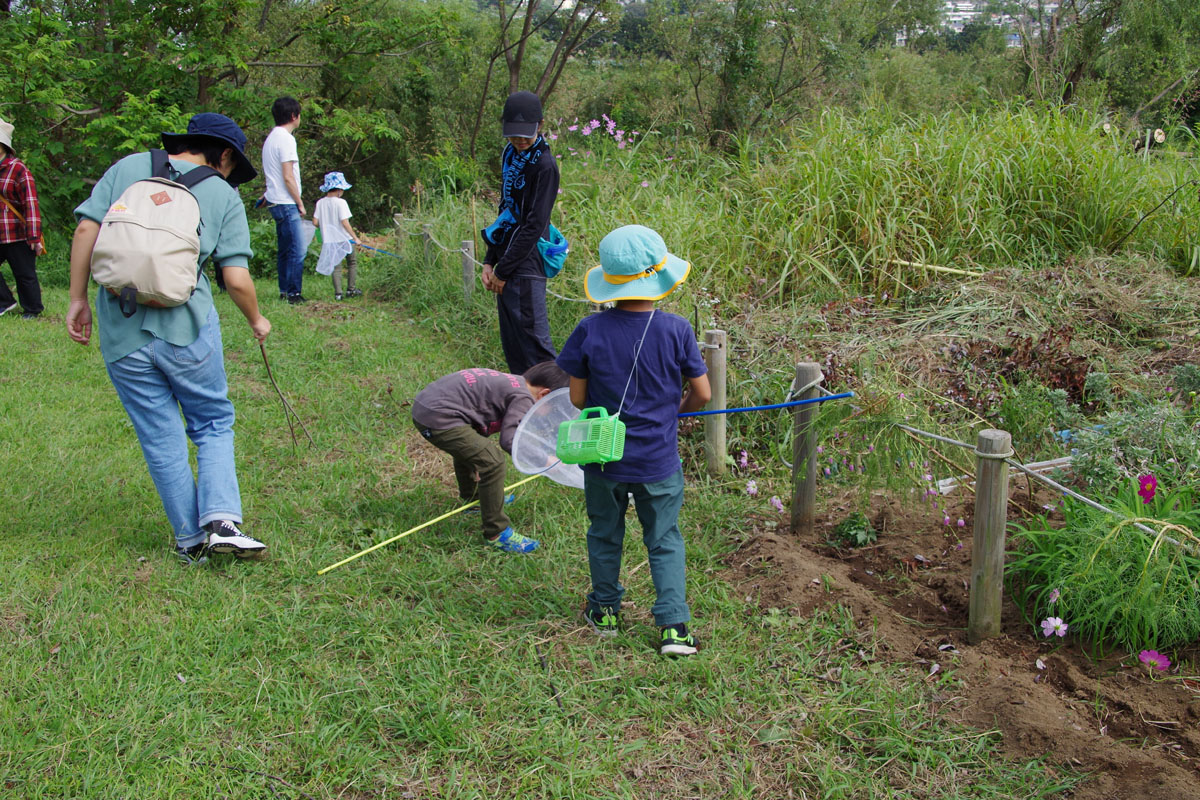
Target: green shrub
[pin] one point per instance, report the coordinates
(1111, 582)
(1159, 438)
(854, 531)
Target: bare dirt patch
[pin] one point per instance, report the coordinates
(1133, 735)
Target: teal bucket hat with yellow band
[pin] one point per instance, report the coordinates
(634, 265)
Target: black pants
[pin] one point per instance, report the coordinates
(524, 328)
(21, 258)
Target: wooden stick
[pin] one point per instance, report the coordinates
(714, 426)
(804, 451)
(992, 447)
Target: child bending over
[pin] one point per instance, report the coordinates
(458, 412)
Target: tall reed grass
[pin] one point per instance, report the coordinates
(873, 202)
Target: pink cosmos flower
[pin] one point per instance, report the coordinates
(1054, 625)
(777, 503)
(1154, 659)
(586, 131)
(572, 128)
(1147, 486)
(1054, 595)
(752, 488)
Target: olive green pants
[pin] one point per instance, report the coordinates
(476, 455)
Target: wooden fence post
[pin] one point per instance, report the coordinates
(427, 235)
(987, 549)
(804, 450)
(468, 264)
(715, 355)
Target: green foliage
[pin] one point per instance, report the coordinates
(1116, 584)
(1157, 438)
(854, 531)
(1034, 413)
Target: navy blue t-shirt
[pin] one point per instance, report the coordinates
(601, 350)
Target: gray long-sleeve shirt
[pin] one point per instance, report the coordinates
(487, 400)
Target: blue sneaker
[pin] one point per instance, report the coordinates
(511, 542)
(475, 508)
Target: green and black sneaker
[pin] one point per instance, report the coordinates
(676, 641)
(603, 621)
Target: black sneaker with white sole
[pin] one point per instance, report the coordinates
(225, 537)
(676, 641)
(192, 556)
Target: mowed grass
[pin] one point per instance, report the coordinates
(432, 668)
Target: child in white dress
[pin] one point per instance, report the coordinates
(332, 218)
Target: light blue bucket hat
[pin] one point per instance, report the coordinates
(634, 265)
(334, 180)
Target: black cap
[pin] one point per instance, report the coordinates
(222, 128)
(522, 113)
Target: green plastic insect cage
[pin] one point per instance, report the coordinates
(594, 438)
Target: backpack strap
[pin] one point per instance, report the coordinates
(160, 167)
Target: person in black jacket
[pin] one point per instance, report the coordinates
(512, 266)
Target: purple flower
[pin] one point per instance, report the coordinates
(752, 488)
(621, 145)
(1154, 659)
(777, 503)
(945, 520)
(743, 459)
(1054, 595)
(961, 523)
(586, 131)
(645, 184)
(1054, 625)
(552, 136)
(1147, 485)
(827, 472)
(572, 128)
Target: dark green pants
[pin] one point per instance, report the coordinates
(476, 455)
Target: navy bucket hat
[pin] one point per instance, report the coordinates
(220, 127)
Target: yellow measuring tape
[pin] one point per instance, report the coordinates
(458, 510)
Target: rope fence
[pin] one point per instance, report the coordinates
(467, 251)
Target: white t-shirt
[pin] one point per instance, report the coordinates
(328, 214)
(278, 149)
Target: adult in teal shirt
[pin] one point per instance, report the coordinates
(164, 361)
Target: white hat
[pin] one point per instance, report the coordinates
(6, 130)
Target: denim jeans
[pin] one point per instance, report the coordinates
(657, 507)
(289, 257)
(154, 384)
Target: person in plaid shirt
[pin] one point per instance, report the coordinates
(20, 229)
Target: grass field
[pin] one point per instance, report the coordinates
(429, 669)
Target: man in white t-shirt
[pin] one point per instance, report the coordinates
(281, 168)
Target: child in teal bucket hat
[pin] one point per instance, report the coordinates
(633, 362)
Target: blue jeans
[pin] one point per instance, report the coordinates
(657, 507)
(154, 384)
(289, 257)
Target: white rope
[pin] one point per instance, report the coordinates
(1007, 457)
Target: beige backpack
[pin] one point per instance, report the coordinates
(148, 248)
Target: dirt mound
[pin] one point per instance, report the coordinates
(1134, 735)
